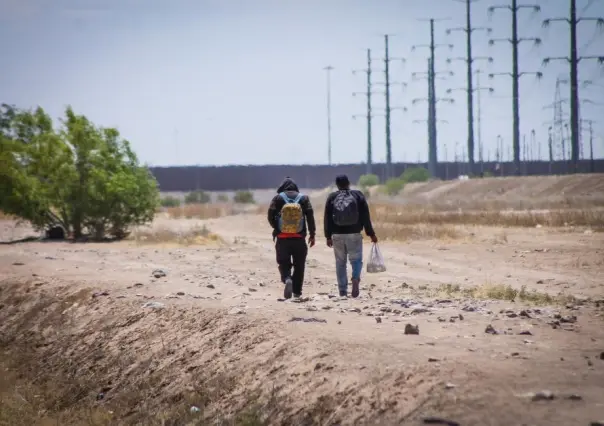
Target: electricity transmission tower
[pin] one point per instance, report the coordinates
(514, 7)
(432, 120)
(478, 88)
(590, 129)
(573, 59)
(387, 84)
(328, 70)
(369, 115)
(469, 60)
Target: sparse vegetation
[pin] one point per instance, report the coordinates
(415, 174)
(170, 201)
(367, 181)
(244, 197)
(394, 186)
(81, 177)
(222, 198)
(504, 292)
(198, 197)
(200, 211)
(168, 235)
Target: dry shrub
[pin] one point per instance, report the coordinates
(504, 292)
(406, 215)
(4, 216)
(389, 231)
(167, 235)
(200, 211)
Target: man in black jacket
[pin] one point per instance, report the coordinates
(346, 214)
(291, 246)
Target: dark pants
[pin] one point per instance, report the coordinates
(292, 252)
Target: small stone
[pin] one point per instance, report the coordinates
(490, 330)
(180, 293)
(597, 423)
(433, 360)
(378, 320)
(525, 314)
(211, 286)
(252, 290)
(411, 329)
(544, 395)
(138, 284)
(439, 421)
(525, 333)
(602, 355)
(460, 317)
(574, 397)
(442, 319)
(159, 273)
(450, 386)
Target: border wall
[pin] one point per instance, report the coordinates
(231, 178)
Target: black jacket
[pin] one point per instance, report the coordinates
(291, 190)
(364, 217)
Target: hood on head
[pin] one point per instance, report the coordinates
(342, 182)
(288, 185)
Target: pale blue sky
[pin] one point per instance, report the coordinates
(242, 82)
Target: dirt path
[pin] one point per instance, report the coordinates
(352, 356)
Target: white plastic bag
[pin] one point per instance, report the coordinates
(376, 261)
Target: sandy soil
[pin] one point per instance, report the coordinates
(348, 361)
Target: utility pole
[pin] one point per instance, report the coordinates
(514, 7)
(478, 88)
(432, 100)
(368, 116)
(328, 69)
(573, 59)
(388, 110)
(469, 60)
(551, 150)
(590, 129)
(432, 120)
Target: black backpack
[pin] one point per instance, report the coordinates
(345, 209)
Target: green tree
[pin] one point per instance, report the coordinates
(81, 177)
(170, 201)
(415, 174)
(198, 197)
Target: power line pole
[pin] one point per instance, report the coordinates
(514, 7)
(388, 110)
(478, 88)
(328, 69)
(368, 116)
(550, 149)
(469, 60)
(573, 59)
(432, 120)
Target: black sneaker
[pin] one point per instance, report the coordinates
(343, 294)
(287, 292)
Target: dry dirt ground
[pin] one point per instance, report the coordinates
(219, 324)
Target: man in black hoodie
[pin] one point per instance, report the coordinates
(291, 246)
(346, 215)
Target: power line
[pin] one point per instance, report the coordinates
(469, 59)
(369, 115)
(514, 7)
(573, 60)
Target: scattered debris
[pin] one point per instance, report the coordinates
(211, 286)
(154, 305)
(180, 293)
(450, 386)
(411, 329)
(439, 421)
(433, 359)
(194, 409)
(378, 320)
(490, 330)
(525, 333)
(159, 273)
(99, 294)
(300, 319)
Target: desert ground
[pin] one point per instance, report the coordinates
(480, 319)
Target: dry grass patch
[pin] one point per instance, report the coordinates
(200, 211)
(389, 231)
(503, 292)
(405, 215)
(167, 235)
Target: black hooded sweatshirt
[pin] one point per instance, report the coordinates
(291, 190)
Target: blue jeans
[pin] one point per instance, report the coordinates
(347, 247)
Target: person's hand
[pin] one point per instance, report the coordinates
(374, 239)
(311, 241)
(329, 243)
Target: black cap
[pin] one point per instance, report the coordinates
(342, 182)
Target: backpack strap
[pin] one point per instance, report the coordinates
(299, 197)
(285, 198)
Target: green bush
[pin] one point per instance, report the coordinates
(394, 186)
(170, 201)
(198, 197)
(415, 174)
(244, 197)
(81, 177)
(222, 198)
(365, 181)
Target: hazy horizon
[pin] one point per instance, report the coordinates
(214, 82)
